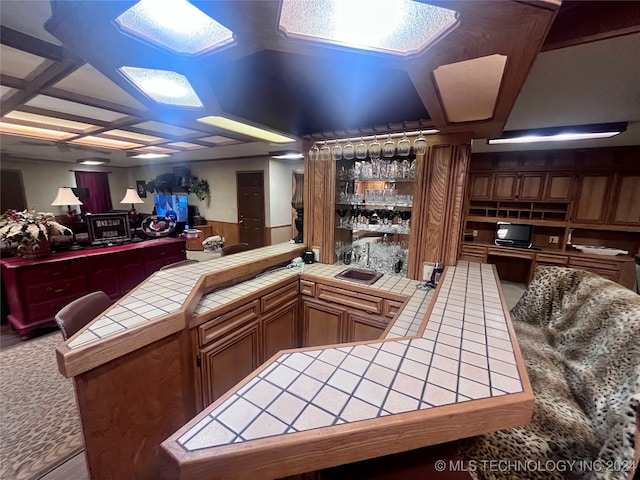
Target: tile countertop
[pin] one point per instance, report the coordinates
(462, 354)
(156, 307)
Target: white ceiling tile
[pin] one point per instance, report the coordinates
(6, 92)
(17, 63)
(72, 108)
(28, 17)
(220, 140)
(164, 128)
(90, 82)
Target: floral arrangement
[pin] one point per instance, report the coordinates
(28, 228)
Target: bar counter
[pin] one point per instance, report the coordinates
(448, 367)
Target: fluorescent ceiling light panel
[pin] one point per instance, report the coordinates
(152, 149)
(163, 86)
(34, 132)
(147, 155)
(137, 137)
(93, 161)
(176, 25)
(186, 145)
(288, 156)
(105, 142)
(219, 140)
(42, 121)
(398, 27)
(560, 134)
(245, 129)
(164, 128)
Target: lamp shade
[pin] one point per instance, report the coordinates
(66, 197)
(131, 196)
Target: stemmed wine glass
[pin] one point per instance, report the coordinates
(336, 151)
(361, 150)
(314, 152)
(374, 148)
(404, 216)
(420, 145)
(388, 148)
(404, 146)
(325, 152)
(342, 212)
(348, 150)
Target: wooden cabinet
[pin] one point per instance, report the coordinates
(362, 327)
(626, 209)
(280, 330)
(505, 186)
(531, 186)
(480, 186)
(593, 196)
(228, 360)
(322, 323)
(38, 289)
(473, 253)
(559, 187)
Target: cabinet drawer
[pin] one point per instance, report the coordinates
(48, 272)
(155, 253)
(591, 263)
(307, 288)
(478, 249)
(360, 301)
(552, 259)
(49, 308)
(272, 300)
(63, 287)
(228, 322)
(390, 308)
(511, 252)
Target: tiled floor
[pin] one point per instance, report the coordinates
(464, 353)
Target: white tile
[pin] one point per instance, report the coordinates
(408, 385)
(413, 368)
(107, 330)
(397, 348)
(282, 376)
(474, 359)
(380, 374)
(473, 389)
(504, 368)
(504, 383)
(298, 361)
(371, 392)
(305, 387)
(398, 403)
(387, 360)
(354, 365)
(358, 410)
(443, 379)
(313, 417)
(331, 399)
(262, 394)
(239, 415)
(447, 351)
(436, 396)
(344, 381)
(445, 363)
(286, 407)
(132, 322)
(332, 356)
(320, 371)
(210, 436)
(505, 356)
(264, 426)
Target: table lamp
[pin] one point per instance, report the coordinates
(66, 197)
(131, 196)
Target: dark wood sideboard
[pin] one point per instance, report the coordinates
(37, 289)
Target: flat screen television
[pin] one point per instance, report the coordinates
(514, 235)
(173, 206)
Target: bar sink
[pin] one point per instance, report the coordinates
(365, 277)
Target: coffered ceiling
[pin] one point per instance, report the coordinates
(59, 65)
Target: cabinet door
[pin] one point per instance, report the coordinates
(103, 274)
(364, 327)
(228, 361)
(559, 187)
(480, 186)
(505, 187)
(279, 330)
(590, 206)
(626, 210)
(322, 324)
(531, 186)
(130, 271)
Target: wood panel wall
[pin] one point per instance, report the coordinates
(230, 231)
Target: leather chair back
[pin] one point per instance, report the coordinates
(72, 317)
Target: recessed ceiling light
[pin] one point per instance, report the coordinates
(163, 86)
(399, 27)
(34, 132)
(105, 142)
(176, 25)
(560, 134)
(147, 155)
(93, 161)
(245, 129)
(51, 122)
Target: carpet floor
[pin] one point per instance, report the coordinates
(39, 422)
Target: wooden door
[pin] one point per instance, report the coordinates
(593, 196)
(480, 186)
(279, 330)
(559, 187)
(12, 191)
(531, 186)
(251, 217)
(505, 187)
(626, 210)
(322, 324)
(362, 327)
(228, 361)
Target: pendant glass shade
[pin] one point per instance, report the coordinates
(65, 196)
